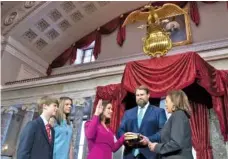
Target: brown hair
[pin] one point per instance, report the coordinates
(104, 104)
(180, 101)
(47, 101)
(60, 112)
(143, 87)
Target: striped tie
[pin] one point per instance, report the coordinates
(140, 117)
(48, 129)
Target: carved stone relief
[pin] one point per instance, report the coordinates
(29, 35)
(10, 18)
(52, 34)
(42, 25)
(67, 6)
(64, 25)
(40, 44)
(29, 4)
(76, 16)
(55, 15)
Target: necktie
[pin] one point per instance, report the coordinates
(140, 117)
(48, 129)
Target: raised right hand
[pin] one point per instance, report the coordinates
(99, 108)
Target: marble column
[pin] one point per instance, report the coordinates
(219, 147)
(28, 116)
(77, 126)
(6, 117)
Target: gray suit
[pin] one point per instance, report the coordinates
(176, 138)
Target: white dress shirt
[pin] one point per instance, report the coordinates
(44, 119)
(144, 109)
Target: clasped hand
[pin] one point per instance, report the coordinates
(144, 140)
(152, 145)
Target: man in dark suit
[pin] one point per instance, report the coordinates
(37, 138)
(144, 119)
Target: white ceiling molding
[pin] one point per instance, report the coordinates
(24, 54)
(26, 73)
(31, 99)
(22, 11)
(102, 72)
(53, 26)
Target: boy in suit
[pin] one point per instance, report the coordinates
(37, 138)
(144, 119)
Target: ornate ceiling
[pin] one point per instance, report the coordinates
(48, 28)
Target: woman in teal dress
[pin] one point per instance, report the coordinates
(63, 130)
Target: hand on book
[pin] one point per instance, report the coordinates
(131, 138)
(144, 140)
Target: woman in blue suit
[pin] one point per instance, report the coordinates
(63, 130)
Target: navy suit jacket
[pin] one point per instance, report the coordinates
(33, 143)
(153, 121)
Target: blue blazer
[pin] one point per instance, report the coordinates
(153, 121)
(33, 143)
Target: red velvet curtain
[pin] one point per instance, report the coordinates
(114, 93)
(161, 74)
(200, 131)
(178, 72)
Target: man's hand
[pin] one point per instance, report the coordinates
(152, 145)
(144, 140)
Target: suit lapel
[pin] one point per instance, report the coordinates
(146, 115)
(42, 126)
(136, 119)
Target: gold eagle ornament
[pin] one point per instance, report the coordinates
(157, 41)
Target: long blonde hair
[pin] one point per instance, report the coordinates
(60, 112)
(180, 101)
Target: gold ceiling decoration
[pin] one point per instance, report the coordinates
(157, 41)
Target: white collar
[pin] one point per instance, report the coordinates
(145, 107)
(44, 120)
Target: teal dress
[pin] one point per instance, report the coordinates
(63, 135)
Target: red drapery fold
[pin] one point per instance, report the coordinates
(194, 12)
(87, 40)
(121, 35)
(160, 74)
(178, 72)
(115, 94)
(61, 60)
(200, 131)
(220, 105)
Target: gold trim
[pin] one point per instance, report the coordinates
(187, 26)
